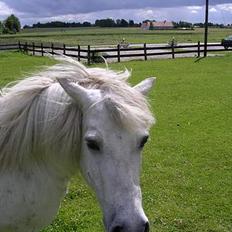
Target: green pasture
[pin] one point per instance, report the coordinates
(186, 176)
(112, 36)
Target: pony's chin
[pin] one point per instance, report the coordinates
(126, 225)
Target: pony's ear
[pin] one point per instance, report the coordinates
(146, 85)
(78, 93)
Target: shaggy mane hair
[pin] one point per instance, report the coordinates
(38, 120)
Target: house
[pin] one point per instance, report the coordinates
(164, 25)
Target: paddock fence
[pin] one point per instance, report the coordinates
(91, 54)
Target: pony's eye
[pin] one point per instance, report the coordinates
(143, 141)
(93, 145)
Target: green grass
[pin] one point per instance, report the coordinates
(101, 36)
(187, 165)
(14, 65)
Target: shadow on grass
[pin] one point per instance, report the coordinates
(199, 59)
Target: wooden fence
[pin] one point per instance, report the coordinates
(92, 55)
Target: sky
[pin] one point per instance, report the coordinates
(33, 11)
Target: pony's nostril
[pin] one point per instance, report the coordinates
(117, 229)
(146, 229)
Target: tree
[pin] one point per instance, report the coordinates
(183, 24)
(124, 23)
(86, 24)
(105, 23)
(131, 23)
(175, 24)
(26, 26)
(118, 22)
(12, 24)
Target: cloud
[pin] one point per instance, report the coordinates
(32, 11)
(50, 8)
(145, 13)
(194, 7)
(213, 10)
(194, 11)
(226, 7)
(5, 10)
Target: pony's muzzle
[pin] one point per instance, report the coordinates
(141, 227)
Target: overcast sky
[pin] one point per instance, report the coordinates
(32, 11)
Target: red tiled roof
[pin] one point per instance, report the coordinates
(162, 24)
(158, 24)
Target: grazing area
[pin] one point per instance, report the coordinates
(14, 65)
(112, 36)
(187, 164)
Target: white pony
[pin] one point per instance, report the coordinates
(66, 118)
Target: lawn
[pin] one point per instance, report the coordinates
(187, 164)
(14, 65)
(109, 36)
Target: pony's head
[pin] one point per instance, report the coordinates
(115, 127)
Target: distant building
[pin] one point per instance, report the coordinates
(164, 25)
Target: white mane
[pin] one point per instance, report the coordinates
(38, 119)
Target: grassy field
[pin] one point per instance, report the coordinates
(15, 65)
(187, 164)
(101, 36)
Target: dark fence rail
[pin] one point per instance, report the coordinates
(92, 55)
(9, 46)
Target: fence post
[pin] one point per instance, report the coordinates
(118, 52)
(88, 54)
(52, 47)
(198, 49)
(42, 51)
(145, 51)
(79, 52)
(19, 45)
(33, 48)
(173, 50)
(64, 48)
(26, 48)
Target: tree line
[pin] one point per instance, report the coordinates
(58, 24)
(183, 24)
(98, 23)
(12, 24)
(108, 22)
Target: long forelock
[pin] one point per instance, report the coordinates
(128, 107)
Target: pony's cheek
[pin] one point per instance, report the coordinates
(89, 179)
(90, 173)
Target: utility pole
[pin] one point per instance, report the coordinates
(206, 26)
